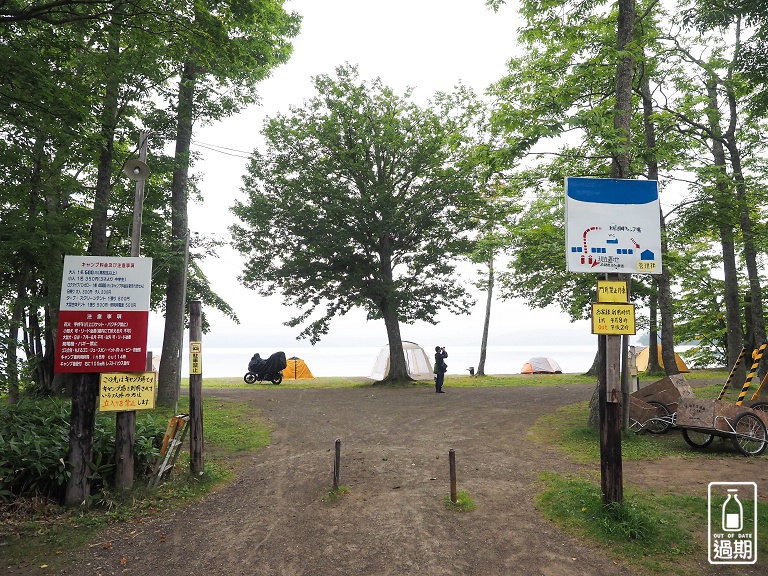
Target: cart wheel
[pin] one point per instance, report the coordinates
(659, 426)
(761, 406)
(277, 379)
(697, 440)
(249, 377)
(751, 436)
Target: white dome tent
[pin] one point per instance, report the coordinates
(416, 360)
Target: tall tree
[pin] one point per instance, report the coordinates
(725, 124)
(491, 243)
(232, 46)
(361, 199)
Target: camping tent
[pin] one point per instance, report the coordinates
(541, 365)
(642, 361)
(416, 360)
(296, 369)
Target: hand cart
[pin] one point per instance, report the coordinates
(670, 403)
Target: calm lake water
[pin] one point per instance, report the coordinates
(352, 361)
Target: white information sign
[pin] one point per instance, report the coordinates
(612, 226)
(106, 283)
(103, 314)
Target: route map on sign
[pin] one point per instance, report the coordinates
(103, 314)
(612, 226)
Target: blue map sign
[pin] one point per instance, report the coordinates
(612, 226)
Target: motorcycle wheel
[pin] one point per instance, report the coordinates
(249, 377)
(277, 379)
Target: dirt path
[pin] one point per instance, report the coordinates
(273, 520)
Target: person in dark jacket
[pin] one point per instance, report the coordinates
(440, 368)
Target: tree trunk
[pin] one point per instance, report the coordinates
(35, 351)
(653, 368)
(109, 116)
(85, 386)
(664, 288)
(745, 218)
(611, 480)
(398, 371)
(17, 313)
(85, 391)
(175, 297)
(593, 369)
(486, 323)
(46, 378)
(725, 218)
(749, 250)
(620, 164)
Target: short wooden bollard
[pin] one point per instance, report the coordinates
(452, 465)
(337, 466)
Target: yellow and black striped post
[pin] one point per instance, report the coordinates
(752, 371)
(733, 373)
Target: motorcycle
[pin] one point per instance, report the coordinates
(270, 369)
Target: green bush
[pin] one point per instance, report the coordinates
(34, 442)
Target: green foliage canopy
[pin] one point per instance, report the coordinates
(362, 199)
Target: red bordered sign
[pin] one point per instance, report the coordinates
(103, 314)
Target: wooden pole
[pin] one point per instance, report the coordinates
(125, 422)
(196, 463)
(337, 465)
(609, 362)
(625, 365)
(452, 467)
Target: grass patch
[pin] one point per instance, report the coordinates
(334, 495)
(663, 534)
(457, 381)
(451, 380)
(567, 429)
(34, 533)
(236, 382)
(464, 502)
(234, 429)
(34, 536)
(652, 531)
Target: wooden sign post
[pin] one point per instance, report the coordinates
(196, 463)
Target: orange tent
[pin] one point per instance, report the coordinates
(541, 365)
(296, 369)
(642, 361)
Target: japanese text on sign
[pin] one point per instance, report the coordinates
(612, 291)
(195, 358)
(612, 225)
(122, 392)
(613, 318)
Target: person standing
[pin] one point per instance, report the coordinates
(440, 368)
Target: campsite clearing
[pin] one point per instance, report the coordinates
(276, 517)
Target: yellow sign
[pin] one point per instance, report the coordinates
(195, 358)
(612, 291)
(121, 392)
(613, 318)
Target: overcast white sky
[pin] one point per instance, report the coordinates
(430, 45)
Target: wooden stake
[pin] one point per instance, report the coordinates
(452, 466)
(337, 466)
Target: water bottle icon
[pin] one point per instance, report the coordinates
(733, 512)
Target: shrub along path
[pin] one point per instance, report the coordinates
(276, 519)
